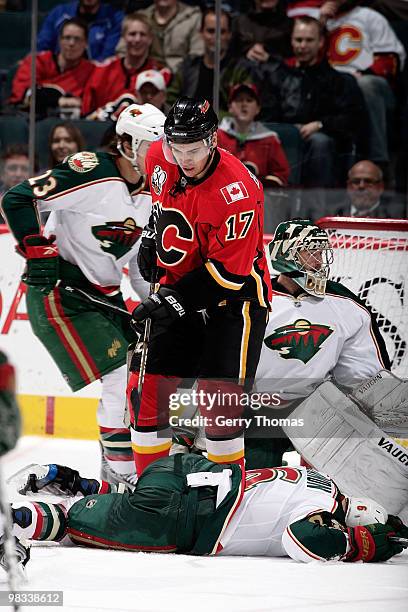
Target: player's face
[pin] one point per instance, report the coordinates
(244, 107)
(191, 157)
(306, 43)
(73, 42)
(364, 186)
(311, 260)
(15, 170)
(137, 38)
(62, 144)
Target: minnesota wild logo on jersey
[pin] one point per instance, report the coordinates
(299, 340)
(117, 237)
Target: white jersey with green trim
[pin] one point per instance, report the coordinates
(308, 339)
(98, 224)
(96, 216)
(273, 499)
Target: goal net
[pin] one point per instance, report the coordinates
(371, 259)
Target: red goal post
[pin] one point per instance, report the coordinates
(371, 259)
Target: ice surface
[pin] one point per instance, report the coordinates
(94, 580)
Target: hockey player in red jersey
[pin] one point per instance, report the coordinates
(204, 243)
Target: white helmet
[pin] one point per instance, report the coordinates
(141, 122)
(364, 511)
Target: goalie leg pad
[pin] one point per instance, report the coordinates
(384, 397)
(338, 439)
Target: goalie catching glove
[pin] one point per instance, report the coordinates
(163, 308)
(42, 270)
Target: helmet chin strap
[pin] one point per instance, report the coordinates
(133, 160)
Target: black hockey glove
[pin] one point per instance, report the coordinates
(398, 526)
(372, 543)
(42, 268)
(147, 256)
(163, 308)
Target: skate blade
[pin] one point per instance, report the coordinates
(19, 480)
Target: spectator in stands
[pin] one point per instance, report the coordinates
(254, 144)
(14, 168)
(325, 105)
(61, 78)
(319, 9)
(113, 84)
(151, 88)
(263, 32)
(365, 189)
(64, 139)
(195, 76)
(104, 24)
(176, 29)
(363, 43)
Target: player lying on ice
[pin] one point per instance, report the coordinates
(187, 504)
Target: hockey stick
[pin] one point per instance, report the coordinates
(96, 300)
(145, 347)
(9, 546)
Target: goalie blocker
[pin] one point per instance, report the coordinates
(340, 440)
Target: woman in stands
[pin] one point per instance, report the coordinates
(64, 139)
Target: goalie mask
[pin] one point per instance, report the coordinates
(143, 123)
(302, 251)
(364, 511)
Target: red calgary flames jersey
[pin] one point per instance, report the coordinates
(216, 222)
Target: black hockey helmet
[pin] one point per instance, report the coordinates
(190, 120)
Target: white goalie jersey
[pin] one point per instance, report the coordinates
(309, 339)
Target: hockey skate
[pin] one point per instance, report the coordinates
(112, 477)
(52, 479)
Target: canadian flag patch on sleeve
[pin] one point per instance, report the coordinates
(234, 191)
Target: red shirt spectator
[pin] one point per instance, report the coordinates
(117, 76)
(67, 72)
(253, 143)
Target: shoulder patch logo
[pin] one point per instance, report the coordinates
(158, 179)
(84, 161)
(233, 192)
(117, 237)
(299, 340)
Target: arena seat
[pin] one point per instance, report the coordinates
(15, 37)
(292, 144)
(13, 130)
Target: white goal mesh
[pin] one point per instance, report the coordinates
(371, 259)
